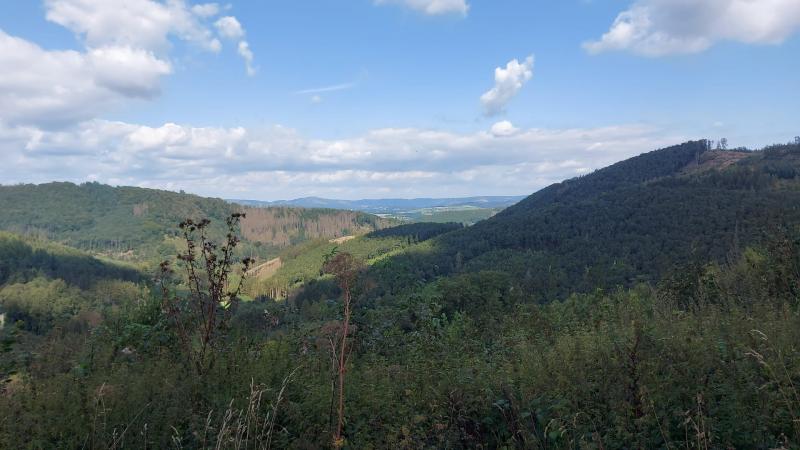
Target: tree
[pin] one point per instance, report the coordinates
(201, 317)
(346, 269)
(797, 140)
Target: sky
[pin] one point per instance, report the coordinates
(267, 100)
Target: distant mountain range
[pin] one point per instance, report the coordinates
(391, 205)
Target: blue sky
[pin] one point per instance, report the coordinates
(377, 98)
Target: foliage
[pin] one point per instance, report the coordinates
(465, 362)
(22, 259)
(631, 222)
(139, 224)
(303, 263)
(417, 232)
(646, 306)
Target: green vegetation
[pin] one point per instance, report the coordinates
(96, 217)
(467, 216)
(628, 223)
(23, 259)
(417, 232)
(652, 304)
(303, 263)
(128, 223)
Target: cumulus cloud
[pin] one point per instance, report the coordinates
(432, 7)
(661, 27)
(229, 27)
(125, 56)
(56, 87)
(127, 71)
(504, 128)
(275, 162)
(507, 83)
(144, 24)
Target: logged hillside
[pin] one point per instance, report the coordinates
(282, 226)
(633, 221)
(135, 223)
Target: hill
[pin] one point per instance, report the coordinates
(43, 284)
(633, 221)
(23, 259)
(297, 266)
(137, 223)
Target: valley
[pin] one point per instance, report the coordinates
(399, 224)
(670, 279)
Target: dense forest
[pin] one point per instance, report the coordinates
(630, 222)
(650, 304)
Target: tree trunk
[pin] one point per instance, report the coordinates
(343, 363)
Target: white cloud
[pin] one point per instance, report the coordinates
(432, 7)
(277, 162)
(247, 54)
(125, 57)
(507, 83)
(504, 128)
(206, 10)
(230, 28)
(55, 87)
(661, 27)
(128, 71)
(144, 24)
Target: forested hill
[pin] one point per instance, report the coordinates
(136, 223)
(633, 221)
(22, 260)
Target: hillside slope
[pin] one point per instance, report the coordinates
(135, 223)
(633, 221)
(23, 259)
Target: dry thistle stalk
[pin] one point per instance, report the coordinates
(201, 316)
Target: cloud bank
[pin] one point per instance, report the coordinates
(274, 162)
